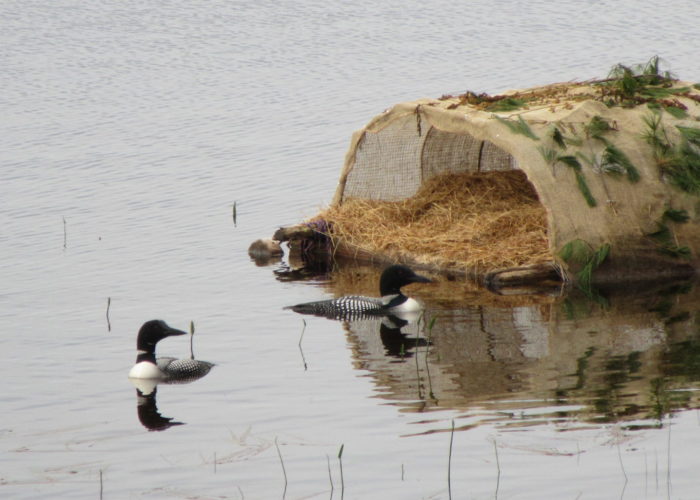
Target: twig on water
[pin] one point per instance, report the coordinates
(191, 339)
(668, 460)
(656, 469)
(214, 462)
(578, 453)
(342, 479)
(301, 337)
(330, 476)
(109, 325)
(402, 472)
(65, 235)
(418, 382)
(284, 471)
(100, 484)
(427, 367)
(622, 466)
(449, 462)
(498, 468)
(234, 214)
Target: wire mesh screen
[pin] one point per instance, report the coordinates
(387, 163)
(446, 152)
(391, 164)
(494, 158)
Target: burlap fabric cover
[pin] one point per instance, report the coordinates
(398, 150)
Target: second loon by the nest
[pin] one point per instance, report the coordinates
(169, 370)
(392, 301)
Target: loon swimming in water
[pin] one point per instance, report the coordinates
(392, 301)
(167, 370)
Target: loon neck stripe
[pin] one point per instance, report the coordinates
(390, 301)
(142, 356)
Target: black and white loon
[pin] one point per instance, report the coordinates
(168, 370)
(392, 301)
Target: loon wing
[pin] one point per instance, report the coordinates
(181, 371)
(345, 308)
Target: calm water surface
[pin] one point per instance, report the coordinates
(130, 129)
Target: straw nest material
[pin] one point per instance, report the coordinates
(487, 221)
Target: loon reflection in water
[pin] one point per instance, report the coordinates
(149, 416)
(396, 343)
(392, 300)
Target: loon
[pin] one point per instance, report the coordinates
(392, 301)
(168, 370)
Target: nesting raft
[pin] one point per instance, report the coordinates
(561, 180)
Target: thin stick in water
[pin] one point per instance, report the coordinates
(234, 214)
(418, 382)
(619, 456)
(342, 479)
(449, 462)
(65, 235)
(498, 468)
(284, 471)
(100, 484)
(301, 337)
(431, 394)
(330, 476)
(191, 339)
(668, 460)
(109, 324)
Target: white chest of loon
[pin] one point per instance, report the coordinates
(169, 370)
(392, 300)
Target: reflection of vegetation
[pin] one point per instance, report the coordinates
(581, 366)
(659, 399)
(618, 372)
(647, 384)
(680, 368)
(682, 360)
(665, 236)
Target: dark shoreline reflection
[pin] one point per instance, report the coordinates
(627, 354)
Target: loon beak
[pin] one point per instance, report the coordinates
(417, 278)
(169, 331)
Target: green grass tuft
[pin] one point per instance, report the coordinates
(519, 127)
(506, 104)
(575, 252)
(676, 215)
(558, 137)
(549, 155)
(573, 163)
(616, 162)
(597, 127)
(585, 275)
(676, 112)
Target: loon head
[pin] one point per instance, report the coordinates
(396, 276)
(152, 332)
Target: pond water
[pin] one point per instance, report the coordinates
(129, 132)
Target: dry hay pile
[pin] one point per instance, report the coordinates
(486, 221)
